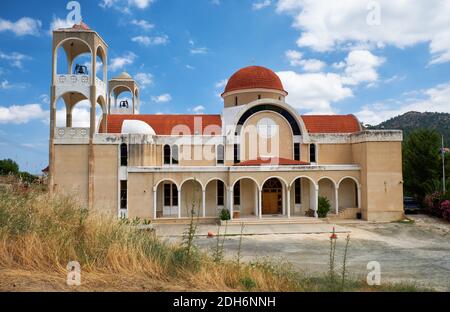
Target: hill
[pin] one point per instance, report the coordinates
(411, 121)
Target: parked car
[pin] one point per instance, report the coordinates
(410, 205)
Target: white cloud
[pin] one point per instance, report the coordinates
(5, 85)
(122, 61)
(189, 66)
(216, 2)
(58, 23)
(146, 41)
(22, 27)
(144, 79)
(14, 58)
(20, 114)
(327, 25)
(199, 109)
(80, 115)
(124, 5)
(141, 4)
(260, 4)
(360, 66)
(145, 25)
(314, 92)
(200, 50)
(435, 99)
(295, 58)
(163, 98)
(221, 84)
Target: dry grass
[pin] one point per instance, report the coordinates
(39, 235)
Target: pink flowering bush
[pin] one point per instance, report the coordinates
(433, 204)
(445, 208)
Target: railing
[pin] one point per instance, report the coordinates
(70, 80)
(72, 133)
(121, 110)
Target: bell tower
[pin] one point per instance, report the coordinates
(118, 85)
(77, 83)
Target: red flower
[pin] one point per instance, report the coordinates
(333, 235)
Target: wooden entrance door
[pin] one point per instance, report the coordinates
(272, 197)
(270, 203)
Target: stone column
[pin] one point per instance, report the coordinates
(359, 196)
(336, 199)
(154, 203)
(288, 203)
(259, 203)
(203, 203)
(231, 203)
(316, 200)
(179, 203)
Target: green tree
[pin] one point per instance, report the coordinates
(8, 166)
(421, 161)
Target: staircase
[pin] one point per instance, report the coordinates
(273, 220)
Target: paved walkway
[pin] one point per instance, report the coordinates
(176, 230)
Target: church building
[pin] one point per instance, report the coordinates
(258, 158)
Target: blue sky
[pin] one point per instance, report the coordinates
(374, 59)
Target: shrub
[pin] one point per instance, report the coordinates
(445, 208)
(248, 283)
(324, 207)
(432, 203)
(8, 166)
(27, 177)
(225, 214)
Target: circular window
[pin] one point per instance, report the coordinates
(267, 128)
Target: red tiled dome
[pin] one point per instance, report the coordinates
(253, 77)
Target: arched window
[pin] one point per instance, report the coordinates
(220, 193)
(123, 155)
(174, 154)
(237, 193)
(312, 153)
(220, 154)
(235, 101)
(166, 154)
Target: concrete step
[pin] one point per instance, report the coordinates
(207, 220)
(301, 220)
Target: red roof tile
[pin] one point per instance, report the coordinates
(272, 161)
(81, 26)
(331, 123)
(254, 77)
(166, 124)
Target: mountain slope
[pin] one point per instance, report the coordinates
(411, 121)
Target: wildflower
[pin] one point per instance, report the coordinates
(333, 235)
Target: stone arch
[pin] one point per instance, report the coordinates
(308, 195)
(328, 188)
(70, 58)
(283, 105)
(349, 193)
